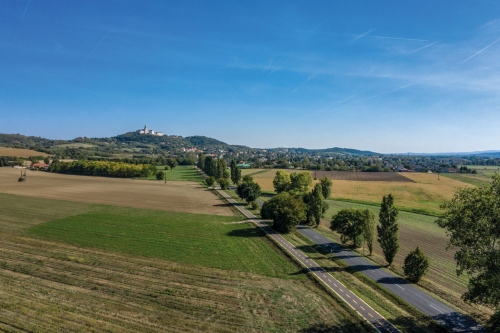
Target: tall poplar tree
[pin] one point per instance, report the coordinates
(235, 172)
(388, 229)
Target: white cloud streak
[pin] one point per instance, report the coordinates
(480, 51)
(25, 10)
(97, 45)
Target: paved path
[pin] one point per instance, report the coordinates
(446, 316)
(364, 310)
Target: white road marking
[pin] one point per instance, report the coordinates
(362, 308)
(435, 308)
(370, 314)
(355, 301)
(400, 286)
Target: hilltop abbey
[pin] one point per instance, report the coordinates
(147, 131)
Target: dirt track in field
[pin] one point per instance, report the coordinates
(173, 196)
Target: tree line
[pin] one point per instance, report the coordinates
(102, 168)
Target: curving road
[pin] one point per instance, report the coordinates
(364, 310)
(446, 316)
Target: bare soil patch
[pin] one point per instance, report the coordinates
(172, 196)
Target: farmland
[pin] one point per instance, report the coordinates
(18, 152)
(173, 196)
(419, 192)
(72, 265)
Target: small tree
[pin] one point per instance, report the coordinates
(171, 162)
(224, 183)
(368, 229)
(349, 224)
(416, 265)
(210, 181)
(281, 181)
(326, 187)
(160, 175)
(285, 210)
(388, 229)
(314, 205)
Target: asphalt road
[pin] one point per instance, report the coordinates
(446, 316)
(364, 310)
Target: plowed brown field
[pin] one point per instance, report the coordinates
(171, 196)
(363, 176)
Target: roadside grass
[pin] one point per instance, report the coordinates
(384, 302)
(206, 240)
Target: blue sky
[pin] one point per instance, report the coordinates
(386, 76)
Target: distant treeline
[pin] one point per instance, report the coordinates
(137, 159)
(104, 169)
(10, 161)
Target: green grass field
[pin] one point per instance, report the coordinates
(181, 173)
(206, 240)
(483, 175)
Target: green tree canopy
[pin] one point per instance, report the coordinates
(235, 172)
(349, 223)
(388, 229)
(248, 190)
(281, 181)
(326, 187)
(285, 210)
(160, 175)
(210, 181)
(416, 265)
(224, 183)
(368, 229)
(315, 205)
(472, 220)
(300, 182)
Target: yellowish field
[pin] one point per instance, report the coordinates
(4, 151)
(426, 193)
(55, 287)
(172, 196)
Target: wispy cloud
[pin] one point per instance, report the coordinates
(423, 47)
(97, 45)
(25, 10)
(362, 35)
(480, 51)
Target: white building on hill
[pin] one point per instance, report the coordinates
(149, 132)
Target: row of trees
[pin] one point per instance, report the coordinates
(294, 203)
(357, 227)
(105, 169)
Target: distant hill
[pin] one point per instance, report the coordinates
(334, 151)
(484, 153)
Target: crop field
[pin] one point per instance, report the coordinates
(77, 266)
(422, 231)
(483, 175)
(18, 152)
(422, 192)
(363, 176)
(172, 196)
